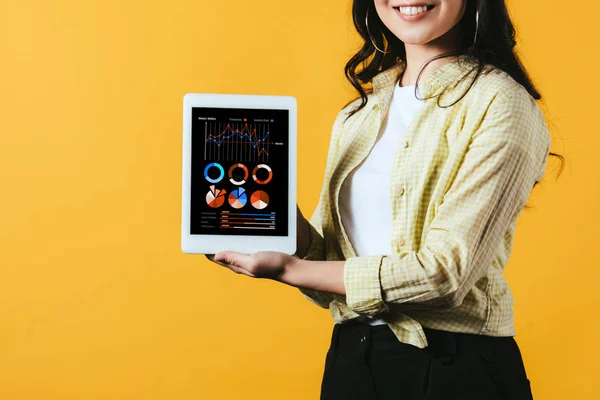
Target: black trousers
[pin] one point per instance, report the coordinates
(367, 362)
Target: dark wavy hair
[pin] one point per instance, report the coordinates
(494, 46)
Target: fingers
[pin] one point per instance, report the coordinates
(233, 257)
(228, 259)
(235, 268)
(240, 270)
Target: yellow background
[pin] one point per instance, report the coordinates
(97, 301)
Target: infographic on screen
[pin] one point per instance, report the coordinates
(239, 172)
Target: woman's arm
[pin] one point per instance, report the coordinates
(493, 183)
(324, 276)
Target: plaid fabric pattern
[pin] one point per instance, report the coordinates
(456, 192)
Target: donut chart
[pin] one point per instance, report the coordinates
(259, 199)
(237, 198)
(262, 166)
(230, 173)
(221, 172)
(215, 197)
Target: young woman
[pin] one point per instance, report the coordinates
(427, 172)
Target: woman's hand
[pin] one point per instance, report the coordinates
(262, 264)
(327, 276)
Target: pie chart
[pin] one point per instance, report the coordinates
(238, 198)
(259, 199)
(215, 198)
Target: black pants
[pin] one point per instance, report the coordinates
(368, 362)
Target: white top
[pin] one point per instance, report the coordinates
(365, 194)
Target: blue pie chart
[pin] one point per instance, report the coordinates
(237, 198)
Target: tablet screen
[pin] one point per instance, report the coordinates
(239, 174)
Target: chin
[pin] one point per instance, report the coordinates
(417, 40)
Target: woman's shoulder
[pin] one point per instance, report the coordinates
(496, 84)
(505, 99)
(352, 110)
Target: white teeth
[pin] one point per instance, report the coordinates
(412, 10)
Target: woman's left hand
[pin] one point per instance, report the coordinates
(262, 264)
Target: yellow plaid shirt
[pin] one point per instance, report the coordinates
(456, 191)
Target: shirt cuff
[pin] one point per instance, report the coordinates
(363, 287)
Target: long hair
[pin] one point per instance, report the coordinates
(494, 46)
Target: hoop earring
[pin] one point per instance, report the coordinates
(476, 27)
(369, 33)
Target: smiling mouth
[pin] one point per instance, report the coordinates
(409, 11)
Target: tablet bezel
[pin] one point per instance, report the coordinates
(210, 244)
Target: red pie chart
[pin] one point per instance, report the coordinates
(259, 199)
(215, 197)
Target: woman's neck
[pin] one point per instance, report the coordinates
(418, 55)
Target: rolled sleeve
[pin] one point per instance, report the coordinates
(363, 285)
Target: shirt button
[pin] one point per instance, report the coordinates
(400, 191)
(405, 144)
(401, 241)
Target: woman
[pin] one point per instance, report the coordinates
(426, 174)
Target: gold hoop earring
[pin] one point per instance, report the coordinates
(369, 33)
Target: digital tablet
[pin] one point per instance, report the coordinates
(239, 173)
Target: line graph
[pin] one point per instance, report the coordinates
(233, 141)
